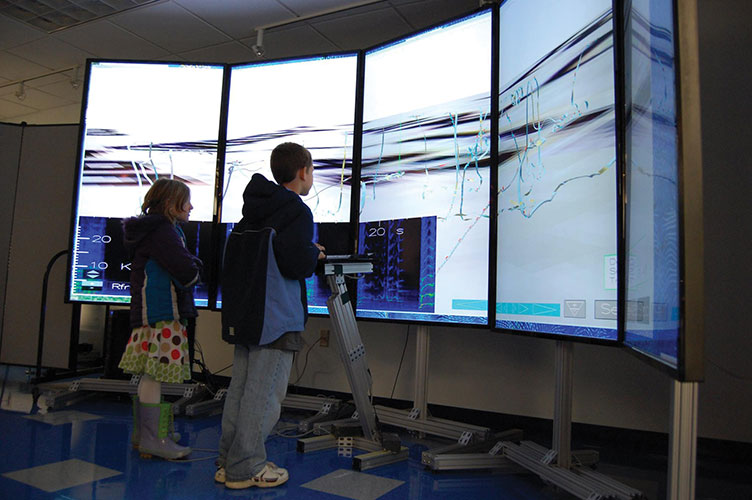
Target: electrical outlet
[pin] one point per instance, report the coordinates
(324, 337)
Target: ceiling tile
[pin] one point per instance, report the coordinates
(292, 41)
(51, 53)
(238, 18)
(169, 26)
(70, 113)
(105, 40)
(64, 90)
(363, 30)
(426, 13)
(9, 90)
(10, 107)
(13, 33)
(232, 52)
(13, 67)
(41, 100)
(310, 7)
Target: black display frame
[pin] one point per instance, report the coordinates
(618, 138)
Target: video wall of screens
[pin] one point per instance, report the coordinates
(425, 175)
(557, 194)
(309, 101)
(140, 122)
(652, 276)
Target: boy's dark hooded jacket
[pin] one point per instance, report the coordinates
(269, 205)
(163, 271)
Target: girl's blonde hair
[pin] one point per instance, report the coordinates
(166, 197)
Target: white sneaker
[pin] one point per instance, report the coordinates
(219, 476)
(269, 477)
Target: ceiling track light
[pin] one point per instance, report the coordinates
(258, 48)
(75, 79)
(21, 92)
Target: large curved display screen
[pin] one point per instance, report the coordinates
(425, 177)
(142, 121)
(557, 196)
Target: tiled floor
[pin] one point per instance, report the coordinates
(84, 453)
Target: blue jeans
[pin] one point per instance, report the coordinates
(252, 405)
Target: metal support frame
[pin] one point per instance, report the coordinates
(581, 482)
(481, 455)
(212, 406)
(683, 441)
(351, 349)
(430, 425)
(562, 438)
(556, 465)
(353, 355)
(376, 456)
(55, 400)
(313, 403)
(468, 438)
(421, 372)
(191, 397)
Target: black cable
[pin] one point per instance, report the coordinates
(305, 363)
(10, 231)
(223, 369)
(404, 348)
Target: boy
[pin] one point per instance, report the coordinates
(266, 333)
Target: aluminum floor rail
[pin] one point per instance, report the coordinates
(581, 482)
(430, 425)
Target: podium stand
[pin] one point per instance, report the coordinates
(382, 448)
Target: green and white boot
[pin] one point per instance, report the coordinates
(154, 439)
(135, 435)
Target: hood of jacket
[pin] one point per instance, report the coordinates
(262, 199)
(135, 229)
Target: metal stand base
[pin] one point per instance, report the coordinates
(580, 481)
(481, 455)
(376, 456)
(560, 466)
(75, 390)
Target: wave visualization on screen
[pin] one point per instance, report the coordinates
(556, 253)
(424, 186)
(143, 121)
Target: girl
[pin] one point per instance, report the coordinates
(163, 273)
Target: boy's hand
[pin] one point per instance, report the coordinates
(321, 248)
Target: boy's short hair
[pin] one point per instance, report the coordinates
(166, 197)
(287, 158)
